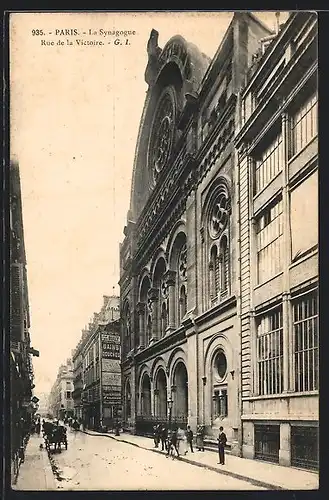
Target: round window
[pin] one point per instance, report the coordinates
(221, 364)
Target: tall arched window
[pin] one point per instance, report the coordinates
(225, 265)
(143, 312)
(182, 302)
(217, 217)
(149, 329)
(164, 319)
(214, 273)
(182, 281)
(159, 307)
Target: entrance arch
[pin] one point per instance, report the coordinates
(146, 396)
(161, 394)
(180, 392)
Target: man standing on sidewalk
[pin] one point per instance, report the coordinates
(222, 440)
(189, 437)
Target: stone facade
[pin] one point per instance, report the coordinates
(60, 399)
(178, 260)
(96, 365)
(278, 247)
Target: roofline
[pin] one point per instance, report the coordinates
(261, 23)
(217, 54)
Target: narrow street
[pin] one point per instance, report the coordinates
(102, 463)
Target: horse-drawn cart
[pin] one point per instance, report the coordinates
(54, 435)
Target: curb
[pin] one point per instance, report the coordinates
(254, 482)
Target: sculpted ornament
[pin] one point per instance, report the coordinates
(219, 215)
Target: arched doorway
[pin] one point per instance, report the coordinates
(180, 393)
(161, 394)
(146, 396)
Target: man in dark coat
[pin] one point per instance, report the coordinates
(189, 437)
(222, 440)
(172, 443)
(163, 436)
(156, 437)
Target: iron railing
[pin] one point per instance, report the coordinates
(305, 447)
(146, 423)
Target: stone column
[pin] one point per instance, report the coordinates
(170, 280)
(175, 399)
(153, 297)
(288, 359)
(156, 402)
(285, 444)
(141, 309)
(211, 271)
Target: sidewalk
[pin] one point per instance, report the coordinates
(263, 474)
(35, 472)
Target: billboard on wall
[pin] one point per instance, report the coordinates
(110, 378)
(111, 365)
(112, 394)
(110, 346)
(111, 370)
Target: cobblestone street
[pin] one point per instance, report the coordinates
(101, 463)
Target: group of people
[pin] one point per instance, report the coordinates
(36, 426)
(173, 441)
(177, 441)
(73, 422)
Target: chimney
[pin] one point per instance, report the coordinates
(277, 24)
(105, 300)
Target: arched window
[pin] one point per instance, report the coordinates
(182, 281)
(143, 311)
(149, 329)
(182, 302)
(214, 273)
(224, 257)
(217, 244)
(164, 319)
(219, 390)
(159, 307)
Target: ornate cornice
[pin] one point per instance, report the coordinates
(161, 345)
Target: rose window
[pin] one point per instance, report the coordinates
(219, 215)
(162, 139)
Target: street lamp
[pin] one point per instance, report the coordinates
(170, 403)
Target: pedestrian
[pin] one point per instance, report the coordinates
(222, 440)
(156, 436)
(163, 437)
(172, 444)
(38, 427)
(189, 437)
(200, 437)
(182, 441)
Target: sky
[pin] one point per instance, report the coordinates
(75, 113)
